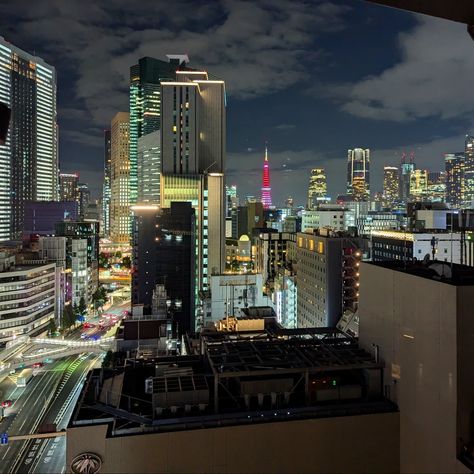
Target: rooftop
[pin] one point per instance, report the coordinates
(450, 273)
(237, 378)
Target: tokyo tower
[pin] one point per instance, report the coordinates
(266, 188)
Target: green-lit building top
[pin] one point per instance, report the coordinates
(145, 102)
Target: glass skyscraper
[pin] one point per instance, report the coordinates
(29, 158)
(145, 104)
(358, 174)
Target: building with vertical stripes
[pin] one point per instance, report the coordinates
(29, 158)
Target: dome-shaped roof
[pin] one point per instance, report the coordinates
(244, 238)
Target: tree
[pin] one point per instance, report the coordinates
(103, 260)
(99, 298)
(52, 327)
(126, 262)
(82, 308)
(109, 360)
(118, 254)
(68, 317)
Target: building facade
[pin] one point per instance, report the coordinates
(328, 277)
(106, 188)
(68, 187)
(454, 165)
(193, 138)
(469, 170)
(407, 246)
(27, 298)
(120, 179)
(145, 104)
(29, 157)
(423, 333)
(390, 186)
(149, 168)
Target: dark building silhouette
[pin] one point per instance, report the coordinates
(164, 253)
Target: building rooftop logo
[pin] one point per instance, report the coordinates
(86, 463)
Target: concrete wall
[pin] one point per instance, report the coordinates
(413, 322)
(367, 443)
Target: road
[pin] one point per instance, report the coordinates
(48, 398)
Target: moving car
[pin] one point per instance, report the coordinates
(37, 365)
(7, 403)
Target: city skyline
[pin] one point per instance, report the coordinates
(340, 94)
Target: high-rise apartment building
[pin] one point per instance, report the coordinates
(149, 168)
(454, 165)
(29, 157)
(266, 186)
(145, 104)
(317, 190)
(390, 185)
(68, 187)
(106, 189)
(418, 185)
(120, 179)
(358, 174)
(193, 160)
(469, 170)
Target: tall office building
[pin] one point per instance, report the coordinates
(436, 190)
(84, 198)
(358, 174)
(469, 170)
(454, 163)
(418, 185)
(120, 179)
(317, 190)
(193, 161)
(148, 168)
(68, 187)
(145, 104)
(390, 185)
(106, 185)
(407, 167)
(266, 187)
(29, 158)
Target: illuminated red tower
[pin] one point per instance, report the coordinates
(266, 188)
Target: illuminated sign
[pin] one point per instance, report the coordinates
(86, 463)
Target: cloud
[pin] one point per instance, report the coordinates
(432, 79)
(258, 47)
(285, 126)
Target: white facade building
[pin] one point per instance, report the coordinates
(336, 218)
(229, 293)
(27, 298)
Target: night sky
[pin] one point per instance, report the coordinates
(311, 78)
